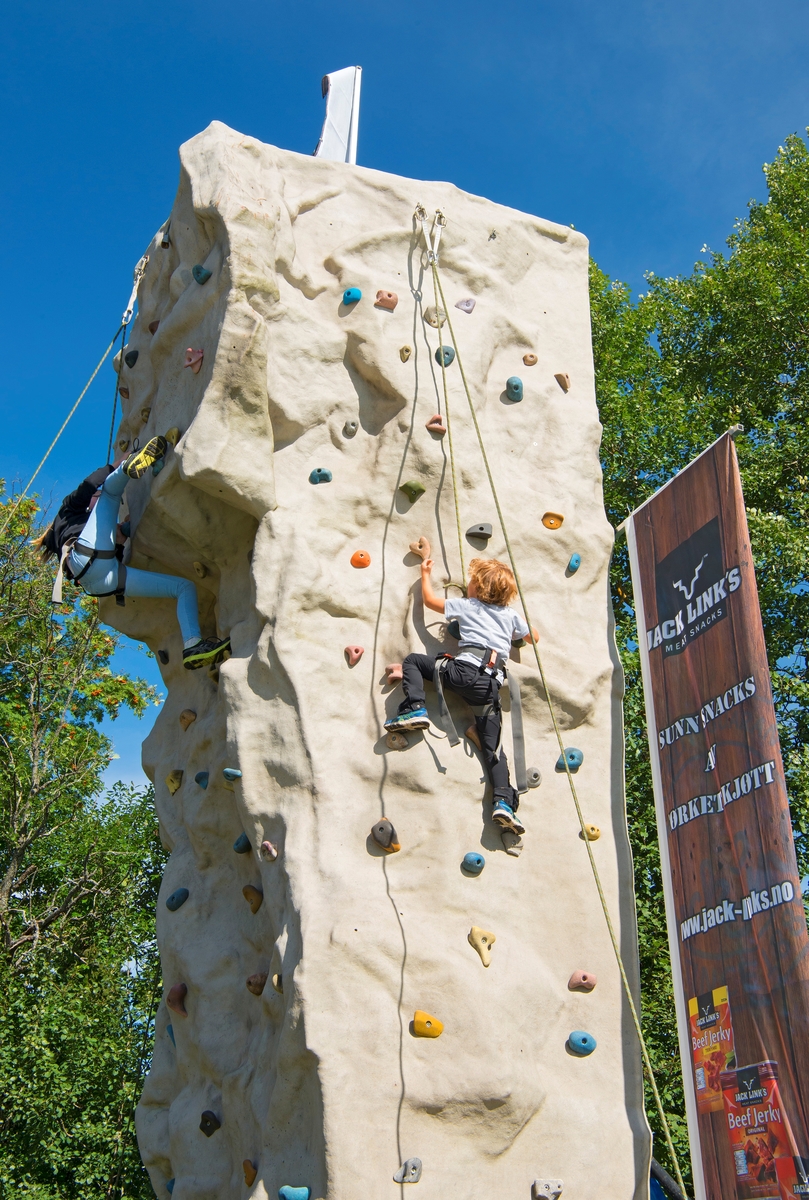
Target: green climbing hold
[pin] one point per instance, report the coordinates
(242, 844)
(447, 353)
(231, 773)
(131, 358)
(514, 388)
(320, 475)
(201, 778)
(294, 1193)
(574, 760)
(352, 295)
(177, 899)
(413, 489)
(170, 1032)
(201, 274)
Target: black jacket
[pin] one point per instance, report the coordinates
(73, 511)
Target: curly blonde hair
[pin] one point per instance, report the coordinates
(493, 580)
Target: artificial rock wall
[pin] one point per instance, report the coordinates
(322, 1084)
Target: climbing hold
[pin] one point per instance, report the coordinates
(257, 983)
(145, 413)
(514, 388)
(177, 899)
(169, 1186)
(533, 777)
(250, 1172)
(293, 1193)
(396, 740)
(231, 773)
(573, 757)
(201, 778)
(474, 736)
(546, 1189)
(484, 531)
(123, 444)
(131, 358)
(320, 475)
(445, 354)
(354, 654)
(409, 1171)
(126, 529)
(563, 381)
(405, 352)
(200, 273)
(174, 781)
(278, 983)
(254, 897)
(352, 295)
(350, 428)
(454, 630)
(200, 570)
(387, 300)
(158, 466)
(393, 673)
(123, 392)
(530, 360)
(242, 844)
(436, 425)
(552, 520)
(413, 489)
(172, 435)
(574, 564)
(360, 558)
(512, 842)
(482, 941)
(165, 241)
(473, 863)
(581, 1043)
(592, 833)
(209, 1123)
(269, 851)
(187, 717)
(435, 316)
(386, 836)
(425, 1025)
(170, 1032)
(193, 359)
(582, 981)
(421, 547)
(153, 326)
(176, 998)
(163, 655)
(466, 305)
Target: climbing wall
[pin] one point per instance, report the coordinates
(299, 956)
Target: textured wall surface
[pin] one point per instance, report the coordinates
(323, 1085)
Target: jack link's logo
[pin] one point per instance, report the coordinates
(692, 587)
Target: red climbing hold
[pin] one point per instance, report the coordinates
(436, 425)
(393, 673)
(582, 981)
(193, 359)
(123, 392)
(354, 654)
(360, 558)
(176, 999)
(387, 300)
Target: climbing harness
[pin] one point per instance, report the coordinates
(432, 249)
(64, 569)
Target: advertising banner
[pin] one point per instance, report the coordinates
(737, 931)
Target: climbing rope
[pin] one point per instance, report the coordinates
(605, 908)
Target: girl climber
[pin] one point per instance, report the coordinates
(86, 537)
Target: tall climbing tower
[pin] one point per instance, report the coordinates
(290, 331)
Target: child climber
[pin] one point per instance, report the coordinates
(488, 627)
(85, 536)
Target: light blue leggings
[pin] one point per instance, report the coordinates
(102, 576)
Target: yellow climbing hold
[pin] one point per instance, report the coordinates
(172, 435)
(144, 414)
(250, 1172)
(425, 1025)
(481, 940)
(254, 897)
(200, 570)
(552, 520)
(278, 984)
(593, 833)
(174, 780)
(404, 353)
(187, 717)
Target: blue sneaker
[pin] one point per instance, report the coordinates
(503, 814)
(416, 718)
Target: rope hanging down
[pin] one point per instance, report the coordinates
(433, 259)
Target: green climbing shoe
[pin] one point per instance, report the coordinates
(139, 463)
(206, 654)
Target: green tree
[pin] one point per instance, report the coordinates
(79, 874)
(674, 370)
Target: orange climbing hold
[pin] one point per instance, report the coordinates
(360, 558)
(436, 425)
(193, 359)
(552, 520)
(176, 999)
(387, 300)
(563, 381)
(422, 548)
(254, 897)
(530, 360)
(250, 1172)
(425, 1025)
(582, 981)
(393, 673)
(187, 717)
(354, 654)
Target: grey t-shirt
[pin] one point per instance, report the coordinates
(485, 625)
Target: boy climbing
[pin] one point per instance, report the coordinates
(87, 539)
(487, 628)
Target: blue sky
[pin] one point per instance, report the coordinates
(643, 125)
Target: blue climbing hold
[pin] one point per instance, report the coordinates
(574, 759)
(201, 778)
(201, 274)
(445, 352)
(126, 528)
(231, 773)
(169, 1186)
(514, 388)
(574, 564)
(294, 1193)
(177, 899)
(351, 296)
(131, 358)
(170, 1032)
(473, 863)
(242, 844)
(320, 475)
(158, 466)
(581, 1043)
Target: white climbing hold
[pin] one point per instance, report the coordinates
(512, 843)
(435, 316)
(546, 1189)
